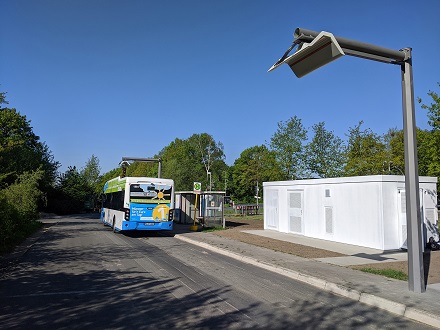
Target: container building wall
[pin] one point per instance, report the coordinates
(364, 211)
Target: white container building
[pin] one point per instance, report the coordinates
(368, 211)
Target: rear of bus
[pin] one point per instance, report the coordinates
(149, 204)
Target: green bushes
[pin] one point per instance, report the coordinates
(27, 168)
(19, 209)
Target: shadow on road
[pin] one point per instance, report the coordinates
(81, 284)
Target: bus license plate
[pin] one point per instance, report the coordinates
(149, 223)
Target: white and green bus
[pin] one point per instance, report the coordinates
(138, 203)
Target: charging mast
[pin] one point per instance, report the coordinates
(316, 49)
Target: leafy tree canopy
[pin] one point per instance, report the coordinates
(21, 149)
(433, 109)
(91, 172)
(254, 166)
(395, 158)
(71, 192)
(366, 152)
(288, 144)
(325, 153)
(190, 160)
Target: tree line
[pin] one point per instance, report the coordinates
(30, 181)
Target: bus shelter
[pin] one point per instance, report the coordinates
(209, 212)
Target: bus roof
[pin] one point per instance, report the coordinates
(118, 183)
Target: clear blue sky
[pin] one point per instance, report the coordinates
(125, 78)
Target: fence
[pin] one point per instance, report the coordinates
(248, 209)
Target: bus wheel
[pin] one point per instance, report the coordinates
(114, 224)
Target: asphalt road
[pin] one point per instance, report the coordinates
(81, 275)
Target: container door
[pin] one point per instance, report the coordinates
(401, 205)
(271, 208)
(295, 204)
(430, 215)
(403, 233)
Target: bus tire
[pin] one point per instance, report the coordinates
(114, 224)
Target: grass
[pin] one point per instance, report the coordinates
(259, 216)
(249, 217)
(391, 273)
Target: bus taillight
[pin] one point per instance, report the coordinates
(171, 215)
(127, 214)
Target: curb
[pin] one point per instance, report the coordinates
(366, 298)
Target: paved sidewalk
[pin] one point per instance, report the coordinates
(354, 255)
(388, 294)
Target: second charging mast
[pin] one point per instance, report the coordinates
(126, 161)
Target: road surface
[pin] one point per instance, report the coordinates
(81, 275)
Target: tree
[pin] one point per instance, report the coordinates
(21, 149)
(434, 167)
(211, 154)
(185, 161)
(90, 172)
(26, 168)
(325, 153)
(433, 110)
(188, 161)
(71, 192)
(366, 152)
(430, 141)
(427, 152)
(288, 145)
(149, 169)
(254, 166)
(395, 157)
(3, 98)
(181, 165)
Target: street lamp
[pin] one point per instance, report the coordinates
(210, 181)
(226, 182)
(316, 49)
(391, 166)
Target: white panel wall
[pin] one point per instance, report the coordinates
(271, 209)
(360, 211)
(430, 214)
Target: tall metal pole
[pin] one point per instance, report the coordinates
(226, 183)
(159, 170)
(416, 276)
(416, 279)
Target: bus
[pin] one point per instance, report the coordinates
(138, 203)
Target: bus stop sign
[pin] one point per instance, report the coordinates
(197, 188)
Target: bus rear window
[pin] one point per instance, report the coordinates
(151, 193)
